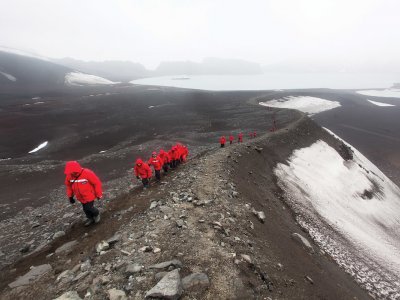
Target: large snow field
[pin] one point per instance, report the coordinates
(307, 104)
(77, 78)
(351, 210)
(392, 93)
(8, 76)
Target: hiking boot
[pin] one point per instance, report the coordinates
(88, 222)
(97, 218)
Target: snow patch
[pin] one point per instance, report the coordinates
(351, 210)
(8, 76)
(391, 93)
(380, 103)
(309, 105)
(103, 151)
(79, 79)
(151, 106)
(41, 146)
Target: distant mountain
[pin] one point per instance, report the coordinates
(208, 66)
(122, 71)
(19, 72)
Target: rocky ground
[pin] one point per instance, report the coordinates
(215, 228)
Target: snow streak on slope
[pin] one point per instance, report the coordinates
(310, 105)
(8, 76)
(351, 210)
(41, 146)
(380, 103)
(77, 78)
(392, 93)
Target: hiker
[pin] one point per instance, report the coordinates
(251, 135)
(222, 141)
(157, 164)
(166, 159)
(240, 138)
(231, 139)
(174, 157)
(254, 134)
(143, 172)
(86, 187)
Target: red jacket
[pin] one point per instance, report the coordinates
(156, 162)
(175, 155)
(240, 136)
(231, 138)
(164, 156)
(222, 140)
(86, 186)
(142, 169)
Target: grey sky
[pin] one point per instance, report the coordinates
(150, 31)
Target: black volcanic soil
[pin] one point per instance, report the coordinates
(279, 266)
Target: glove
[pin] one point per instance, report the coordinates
(71, 200)
(137, 177)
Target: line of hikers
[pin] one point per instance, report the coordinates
(84, 184)
(222, 139)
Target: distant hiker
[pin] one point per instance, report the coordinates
(165, 158)
(143, 172)
(254, 134)
(240, 138)
(157, 164)
(175, 156)
(251, 135)
(231, 139)
(222, 141)
(86, 187)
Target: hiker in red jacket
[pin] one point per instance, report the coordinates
(157, 164)
(254, 134)
(240, 138)
(251, 135)
(222, 141)
(142, 171)
(165, 158)
(231, 139)
(174, 157)
(86, 187)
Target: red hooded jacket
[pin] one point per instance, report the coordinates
(240, 137)
(175, 155)
(222, 140)
(231, 138)
(156, 162)
(142, 169)
(86, 186)
(164, 156)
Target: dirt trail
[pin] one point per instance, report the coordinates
(203, 215)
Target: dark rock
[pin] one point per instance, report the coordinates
(195, 280)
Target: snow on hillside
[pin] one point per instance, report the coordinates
(392, 93)
(79, 79)
(351, 210)
(41, 146)
(8, 76)
(380, 103)
(310, 105)
(22, 52)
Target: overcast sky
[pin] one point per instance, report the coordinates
(150, 31)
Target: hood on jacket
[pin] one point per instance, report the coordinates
(71, 167)
(162, 151)
(139, 161)
(154, 153)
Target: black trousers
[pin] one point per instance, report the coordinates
(158, 174)
(145, 182)
(90, 210)
(222, 145)
(165, 168)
